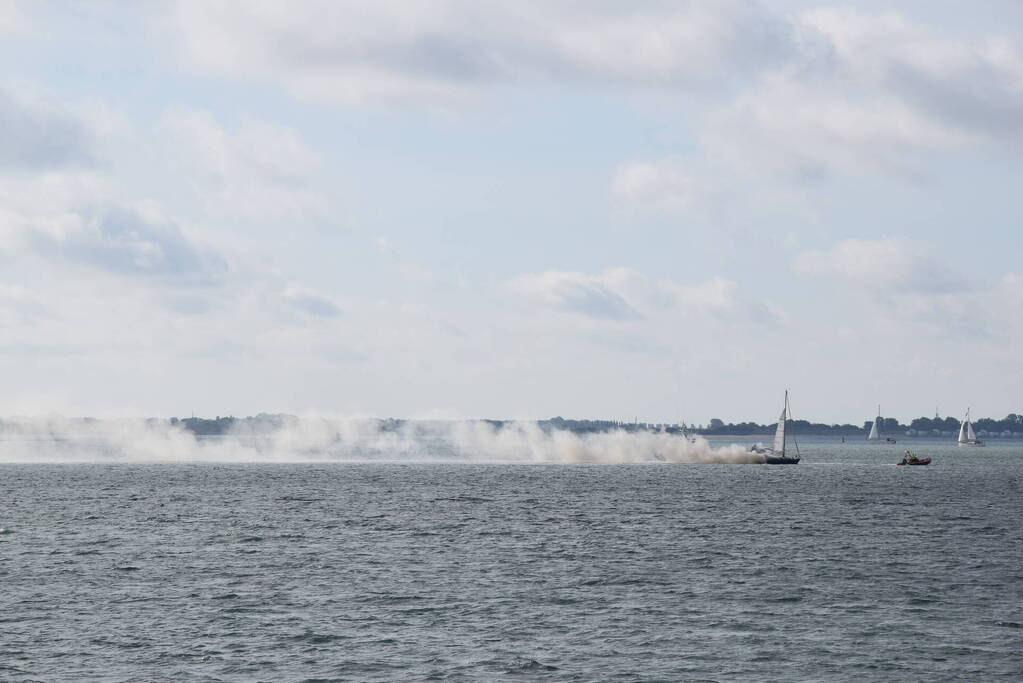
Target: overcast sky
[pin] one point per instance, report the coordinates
(464, 208)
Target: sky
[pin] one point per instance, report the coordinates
(475, 209)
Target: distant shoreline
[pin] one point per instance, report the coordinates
(1010, 427)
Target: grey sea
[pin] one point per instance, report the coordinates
(844, 567)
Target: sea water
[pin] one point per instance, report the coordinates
(844, 567)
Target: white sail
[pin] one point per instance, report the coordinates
(779, 433)
(875, 429)
(962, 432)
(970, 436)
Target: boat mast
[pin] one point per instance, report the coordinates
(785, 418)
(788, 413)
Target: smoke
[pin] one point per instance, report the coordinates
(62, 440)
(526, 442)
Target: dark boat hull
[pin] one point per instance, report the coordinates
(922, 461)
(780, 460)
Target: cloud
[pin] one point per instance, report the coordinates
(20, 306)
(1011, 287)
(805, 130)
(587, 295)
(859, 94)
(12, 19)
(260, 170)
(888, 262)
(717, 294)
(127, 241)
(869, 93)
(976, 87)
(623, 294)
(310, 302)
(953, 314)
(804, 96)
(656, 185)
(38, 135)
(363, 51)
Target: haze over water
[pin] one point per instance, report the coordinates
(844, 567)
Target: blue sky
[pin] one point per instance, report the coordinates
(463, 209)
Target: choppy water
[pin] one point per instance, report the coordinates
(844, 567)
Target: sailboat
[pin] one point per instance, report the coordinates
(875, 431)
(776, 454)
(966, 435)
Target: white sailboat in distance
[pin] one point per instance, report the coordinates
(875, 431)
(966, 435)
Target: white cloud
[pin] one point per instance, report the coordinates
(888, 262)
(128, 241)
(259, 171)
(40, 133)
(623, 294)
(868, 93)
(1011, 287)
(310, 302)
(716, 294)
(806, 131)
(12, 19)
(363, 51)
(975, 87)
(592, 296)
(20, 306)
(657, 185)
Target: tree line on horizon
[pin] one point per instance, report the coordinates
(889, 426)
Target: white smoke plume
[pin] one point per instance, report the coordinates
(62, 440)
(526, 442)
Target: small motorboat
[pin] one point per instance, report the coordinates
(910, 459)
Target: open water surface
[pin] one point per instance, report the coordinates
(844, 567)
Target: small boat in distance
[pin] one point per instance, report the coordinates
(966, 435)
(776, 455)
(910, 459)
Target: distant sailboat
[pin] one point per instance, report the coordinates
(875, 429)
(875, 432)
(966, 435)
(776, 455)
